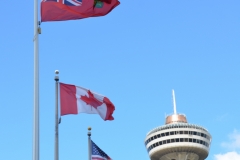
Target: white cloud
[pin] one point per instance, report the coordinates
(227, 156)
(234, 141)
(233, 145)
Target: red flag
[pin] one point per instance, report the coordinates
(76, 100)
(61, 10)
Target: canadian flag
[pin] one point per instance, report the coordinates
(74, 100)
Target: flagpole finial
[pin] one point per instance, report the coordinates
(89, 131)
(56, 76)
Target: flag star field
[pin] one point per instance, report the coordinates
(98, 153)
(132, 53)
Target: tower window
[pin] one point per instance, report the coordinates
(181, 139)
(168, 141)
(185, 132)
(164, 142)
(171, 133)
(190, 139)
(177, 139)
(167, 133)
(172, 140)
(208, 137)
(158, 135)
(194, 141)
(181, 132)
(162, 135)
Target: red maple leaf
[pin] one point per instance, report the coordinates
(91, 100)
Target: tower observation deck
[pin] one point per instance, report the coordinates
(177, 139)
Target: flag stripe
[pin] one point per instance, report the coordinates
(97, 158)
(68, 99)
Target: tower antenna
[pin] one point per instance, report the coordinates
(174, 102)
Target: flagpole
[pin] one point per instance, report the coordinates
(89, 144)
(56, 116)
(36, 86)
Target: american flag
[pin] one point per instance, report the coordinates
(98, 154)
(67, 2)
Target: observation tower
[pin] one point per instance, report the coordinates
(178, 139)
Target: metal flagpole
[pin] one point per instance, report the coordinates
(89, 144)
(56, 117)
(36, 85)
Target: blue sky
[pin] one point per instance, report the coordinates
(135, 56)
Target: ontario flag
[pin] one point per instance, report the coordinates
(61, 10)
(74, 100)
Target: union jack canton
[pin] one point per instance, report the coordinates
(67, 2)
